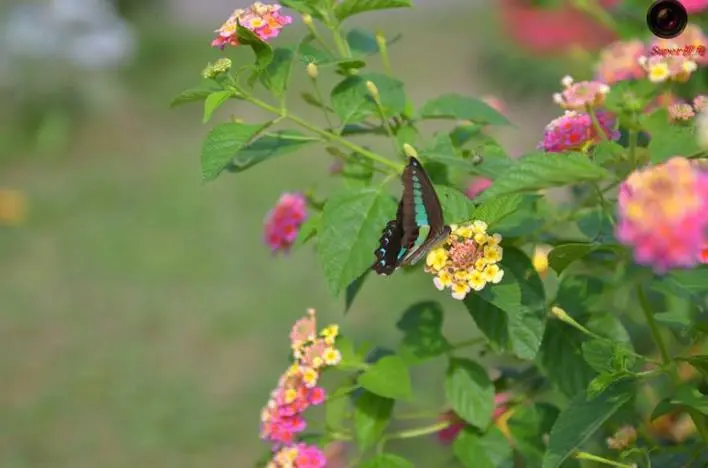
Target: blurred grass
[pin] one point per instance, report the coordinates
(143, 322)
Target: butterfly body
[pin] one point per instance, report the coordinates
(401, 242)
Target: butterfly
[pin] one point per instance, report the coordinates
(402, 242)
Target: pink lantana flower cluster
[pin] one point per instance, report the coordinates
(620, 61)
(282, 417)
(283, 222)
(574, 130)
(264, 20)
(578, 96)
(477, 186)
(662, 214)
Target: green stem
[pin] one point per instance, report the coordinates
(596, 123)
(469, 343)
(318, 37)
(653, 326)
(327, 135)
(595, 458)
(324, 107)
(387, 126)
(418, 432)
(383, 51)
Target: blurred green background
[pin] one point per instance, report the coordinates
(143, 322)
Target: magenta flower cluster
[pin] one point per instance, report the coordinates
(573, 130)
(283, 222)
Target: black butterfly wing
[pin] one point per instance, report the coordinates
(420, 195)
(389, 250)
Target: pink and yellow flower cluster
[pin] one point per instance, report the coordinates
(282, 417)
(662, 214)
(467, 261)
(265, 21)
(575, 130)
(283, 222)
(628, 60)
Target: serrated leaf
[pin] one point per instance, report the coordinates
(606, 152)
(599, 384)
(222, 144)
(213, 102)
(579, 294)
(598, 354)
(263, 51)
(581, 419)
(351, 224)
(267, 146)
(527, 426)
(372, 414)
(421, 325)
(353, 103)
(538, 171)
(347, 8)
(277, 73)
(308, 230)
(470, 451)
(562, 360)
(512, 314)
(455, 106)
(670, 140)
(563, 255)
(457, 207)
(496, 210)
(470, 392)
(195, 94)
(353, 290)
(388, 377)
(387, 460)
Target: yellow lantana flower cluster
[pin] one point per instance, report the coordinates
(467, 261)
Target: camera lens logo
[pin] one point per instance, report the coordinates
(667, 18)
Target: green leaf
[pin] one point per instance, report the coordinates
(351, 224)
(350, 358)
(538, 171)
(562, 360)
(689, 396)
(579, 294)
(388, 377)
(387, 460)
(470, 392)
(353, 103)
(421, 325)
(362, 42)
(277, 73)
(512, 314)
(563, 255)
(308, 230)
(496, 210)
(357, 171)
(336, 408)
(213, 102)
(672, 140)
(268, 146)
(455, 106)
(527, 426)
(457, 207)
(599, 384)
(372, 414)
(195, 94)
(347, 8)
(689, 284)
(606, 152)
(312, 8)
(470, 451)
(263, 51)
(222, 144)
(581, 419)
(353, 290)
